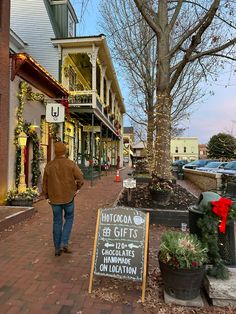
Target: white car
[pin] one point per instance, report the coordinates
(213, 166)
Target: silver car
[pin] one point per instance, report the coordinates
(230, 168)
(213, 166)
(198, 163)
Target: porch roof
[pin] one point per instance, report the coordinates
(104, 54)
(84, 116)
(31, 71)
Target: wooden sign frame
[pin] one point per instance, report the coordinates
(145, 257)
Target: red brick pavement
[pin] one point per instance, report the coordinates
(33, 280)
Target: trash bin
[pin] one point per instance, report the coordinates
(227, 244)
(197, 211)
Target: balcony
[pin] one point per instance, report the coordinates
(90, 99)
(81, 98)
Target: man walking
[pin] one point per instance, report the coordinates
(62, 180)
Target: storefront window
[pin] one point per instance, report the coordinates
(69, 139)
(44, 139)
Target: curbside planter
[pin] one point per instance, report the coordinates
(182, 284)
(22, 202)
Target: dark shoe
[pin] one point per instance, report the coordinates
(66, 250)
(57, 252)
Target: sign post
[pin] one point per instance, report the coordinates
(121, 245)
(129, 184)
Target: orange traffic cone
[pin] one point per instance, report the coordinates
(118, 176)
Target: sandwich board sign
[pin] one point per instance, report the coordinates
(121, 245)
(55, 113)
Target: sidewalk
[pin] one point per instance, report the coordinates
(33, 280)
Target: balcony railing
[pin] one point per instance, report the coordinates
(98, 103)
(81, 98)
(85, 99)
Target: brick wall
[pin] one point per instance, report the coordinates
(206, 181)
(4, 93)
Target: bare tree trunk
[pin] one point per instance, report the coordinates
(150, 133)
(162, 144)
(164, 103)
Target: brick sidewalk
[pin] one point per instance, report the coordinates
(33, 280)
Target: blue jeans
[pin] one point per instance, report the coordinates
(62, 231)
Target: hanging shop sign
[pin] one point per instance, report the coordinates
(121, 244)
(90, 128)
(55, 113)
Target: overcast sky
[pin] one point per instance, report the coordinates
(216, 114)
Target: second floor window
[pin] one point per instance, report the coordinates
(185, 149)
(176, 149)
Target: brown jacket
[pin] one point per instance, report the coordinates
(61, 179)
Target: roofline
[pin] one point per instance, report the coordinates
(19, 59)
(17, 40)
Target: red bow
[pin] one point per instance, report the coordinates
(221, 209)
(65, 103)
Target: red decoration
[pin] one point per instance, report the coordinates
(221, 209)
(65, 103)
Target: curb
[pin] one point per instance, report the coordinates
(23, 214)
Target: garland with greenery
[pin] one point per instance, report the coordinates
(209, 225)
(33, 137)
(26, 94)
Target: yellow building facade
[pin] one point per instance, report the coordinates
(184, 148)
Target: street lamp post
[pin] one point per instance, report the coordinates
(22, 139)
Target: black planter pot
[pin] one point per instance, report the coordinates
(182, 284)
(161, 197)
(140, 179)
(22, 202)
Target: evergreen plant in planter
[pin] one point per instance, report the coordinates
(182, 258)
(160, 189)
(214, 225)
(24, 199)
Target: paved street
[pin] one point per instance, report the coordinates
(33, 280)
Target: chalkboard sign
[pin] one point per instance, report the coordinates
(120, 248)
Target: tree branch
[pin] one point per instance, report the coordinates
(175, 15)
(196, 40)
(140, 5)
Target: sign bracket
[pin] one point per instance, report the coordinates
(94, 252)
(145, 259)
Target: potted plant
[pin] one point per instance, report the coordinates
(160, 189)
(14, 198)
(182, 258)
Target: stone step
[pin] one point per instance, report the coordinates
(222, 292)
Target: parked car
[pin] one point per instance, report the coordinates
(213, 166)
(230, 168)
(179, 162)
(197, 163)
